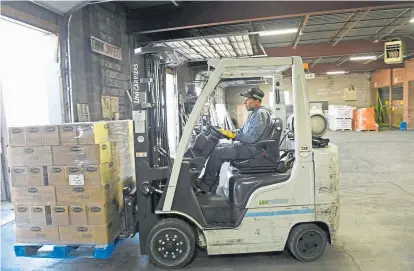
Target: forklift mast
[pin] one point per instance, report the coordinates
(152, 157)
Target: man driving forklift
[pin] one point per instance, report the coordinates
(256, 128)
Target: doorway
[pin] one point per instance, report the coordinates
(29, 83)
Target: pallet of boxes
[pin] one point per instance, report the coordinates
(68, 180)
(364, 120)
(340, 117)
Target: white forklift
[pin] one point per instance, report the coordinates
(281, 199)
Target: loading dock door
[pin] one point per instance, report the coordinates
(29, 81)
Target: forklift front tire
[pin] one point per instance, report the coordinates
(307, 242)
(171, 243)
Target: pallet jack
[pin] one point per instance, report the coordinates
(269, 207)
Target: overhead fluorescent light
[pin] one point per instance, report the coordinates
(278, 32)
(336, 72)
(412, 20)
(356, 58)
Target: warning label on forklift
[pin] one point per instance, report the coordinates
(304, 151)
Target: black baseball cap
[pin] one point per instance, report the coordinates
(254, 93)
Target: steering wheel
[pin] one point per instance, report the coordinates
(211, 127)
(216, 130)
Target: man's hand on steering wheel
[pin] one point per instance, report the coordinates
(228, 134)
(225, 133)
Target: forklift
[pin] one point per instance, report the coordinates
(281, 199)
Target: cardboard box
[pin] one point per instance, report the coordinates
(92, 133)
(37, 234)
(33, 135)
(35, 195)
(67, 134)
(17, 137)
(77, 215)
(99, 214)
(74, 176)
(79, 195)
(82, 154)
(50, 135)
(38, 215)
(60, 215)
(90, 234)
(18, 176)
(98, 174)
(120, 130)
(22, 214)
(120, 194)
(56, 175)
(30, 156)
(37, 176)
(27, 176)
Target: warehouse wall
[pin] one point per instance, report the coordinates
(322, 88)
(94, 74)
(401, 77)
(409, 93)
(331, 88)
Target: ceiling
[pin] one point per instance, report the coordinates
(60, 7)
(370, 25)
(333, 31)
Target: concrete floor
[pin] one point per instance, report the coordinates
(376, 223)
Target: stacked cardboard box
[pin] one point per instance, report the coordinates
(122, 147)
(66, 189)
(340, 117)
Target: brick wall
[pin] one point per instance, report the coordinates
(93, 74)
(410, 105)
(331, 89)
(409, 93)
(400, 77)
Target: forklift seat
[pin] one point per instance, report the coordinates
(267, 153)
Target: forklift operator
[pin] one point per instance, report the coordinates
(255, 129)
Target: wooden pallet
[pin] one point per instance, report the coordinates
(376, 130)
(341, 130)
(66, 251)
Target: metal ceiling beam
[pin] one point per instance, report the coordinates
(343, 61)
(212, 13)
(350, 27)
(326, 49)
(342, 27)
(381, 55)
(175, 3)
(301, 29)
(392, 30)
(316, 61)
(389, 23)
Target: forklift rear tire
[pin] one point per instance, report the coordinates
(307, 242)
(171, 243)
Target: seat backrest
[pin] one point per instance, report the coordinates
(275, 134)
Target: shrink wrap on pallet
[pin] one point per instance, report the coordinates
(365, 120)
(68, 181)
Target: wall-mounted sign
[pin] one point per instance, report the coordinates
(106, 49)
(309, 76)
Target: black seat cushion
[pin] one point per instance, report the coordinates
(267, 152)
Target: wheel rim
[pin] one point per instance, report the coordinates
(310, 244)
(170, 246)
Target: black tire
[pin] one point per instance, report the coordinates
(307, 242)
(171, 243)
